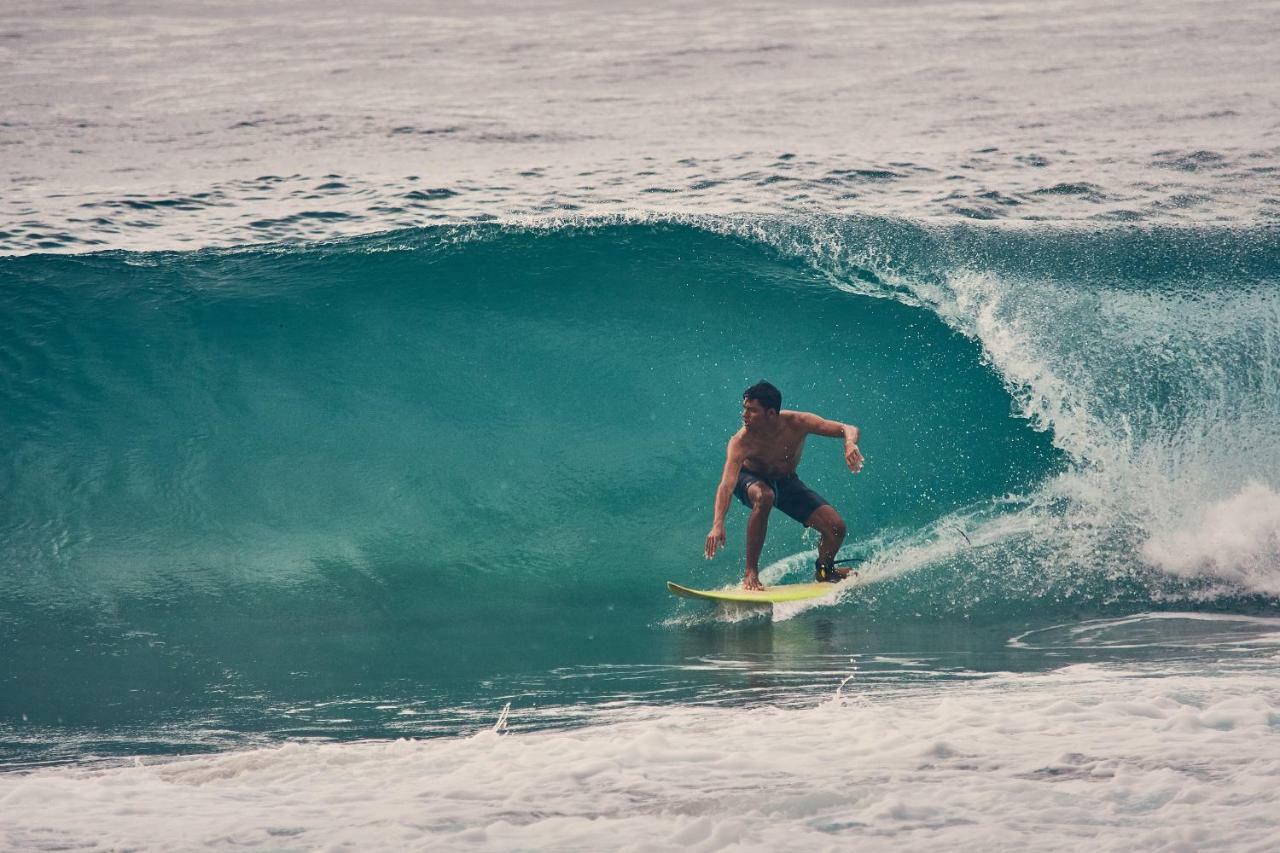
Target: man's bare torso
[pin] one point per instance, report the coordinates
(775, 455)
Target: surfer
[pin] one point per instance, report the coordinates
(760, 468)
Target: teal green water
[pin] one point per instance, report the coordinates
(440, 469)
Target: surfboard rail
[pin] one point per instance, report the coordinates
(769, 595)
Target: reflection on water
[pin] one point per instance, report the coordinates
(758, 662)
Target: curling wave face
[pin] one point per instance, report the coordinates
(400, 442)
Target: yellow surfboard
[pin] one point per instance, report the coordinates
(768, 595)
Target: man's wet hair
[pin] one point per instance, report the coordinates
(765, 394)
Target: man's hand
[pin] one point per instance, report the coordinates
(853, 457)
(715, 540)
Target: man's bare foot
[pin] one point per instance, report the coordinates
(751, 580)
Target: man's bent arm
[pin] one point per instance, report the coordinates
(834, 429)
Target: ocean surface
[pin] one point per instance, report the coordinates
(364, 374)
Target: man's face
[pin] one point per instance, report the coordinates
(754, 414)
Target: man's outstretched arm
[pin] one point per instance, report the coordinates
(834, 429)
(724, 494)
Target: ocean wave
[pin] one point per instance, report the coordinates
(1146, 359)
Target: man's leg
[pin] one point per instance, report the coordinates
(757, 527)
(830, 525)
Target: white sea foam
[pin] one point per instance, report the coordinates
(1237, 538)
(1084, 756)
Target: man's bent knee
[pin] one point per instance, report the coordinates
(828, 522)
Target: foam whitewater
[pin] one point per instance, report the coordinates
(1117, 758)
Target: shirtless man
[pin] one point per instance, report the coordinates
(760, 469)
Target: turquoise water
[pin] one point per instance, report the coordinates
(409, 478)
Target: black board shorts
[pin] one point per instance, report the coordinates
(789, 494)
